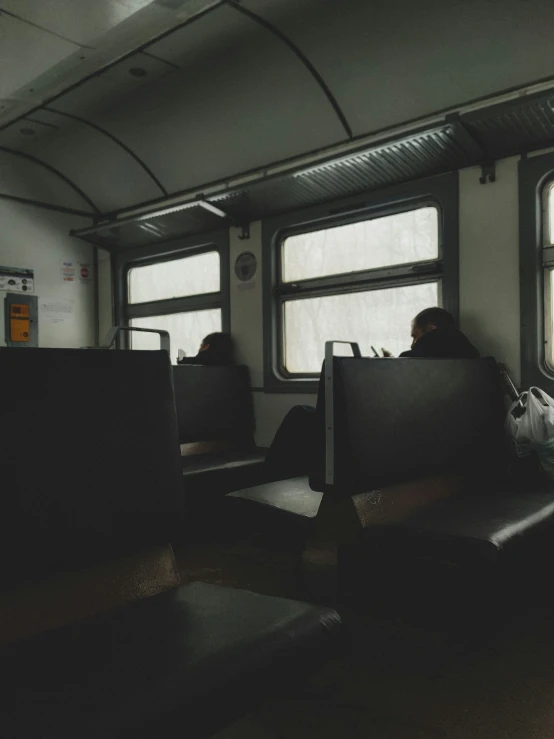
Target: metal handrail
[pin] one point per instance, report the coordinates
(165, 344)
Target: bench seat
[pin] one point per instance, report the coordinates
(190, 657)
(292, 497)
(222, 461)
(472, 529)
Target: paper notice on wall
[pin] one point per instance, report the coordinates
(68, 271)
(56, 311)
(85, 273)
(15, 280)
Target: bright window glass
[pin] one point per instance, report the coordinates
(549, 327)
(549, 278)
(401, 238)
(177, 278)
(379, 318)
(186, 330)
(551, 214)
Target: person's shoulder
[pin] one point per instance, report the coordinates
(189, 360)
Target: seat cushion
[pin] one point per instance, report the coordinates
(293, 496)
(469, 529)
(190, 654)
(221, 461)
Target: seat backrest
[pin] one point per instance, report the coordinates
(89, 456)
(397, 419)
(213, 403)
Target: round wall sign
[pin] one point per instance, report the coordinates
(246, 265)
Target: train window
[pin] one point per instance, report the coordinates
(548, 264)
(361, 281)
(186, 296)
(188, 329)
(374, 317)
(536, 268)
(177, 278)
(395, 239)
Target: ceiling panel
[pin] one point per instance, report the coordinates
(225, 115)
(115, 84)
(390, 61)
(107, 173)
(53, 75)
(211, 38)
(81, 21)
(26, 179)
(25, 52)
(29, 132)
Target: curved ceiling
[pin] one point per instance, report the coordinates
(183, 93)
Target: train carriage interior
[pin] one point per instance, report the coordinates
(277, 363)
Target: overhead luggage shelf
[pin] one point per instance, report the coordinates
(478, 137)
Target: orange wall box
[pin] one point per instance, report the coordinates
(21, 320)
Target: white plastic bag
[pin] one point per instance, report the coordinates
(537, 423)
(516, 430)
(534, 428)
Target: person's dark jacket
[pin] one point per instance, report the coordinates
(449, 343)
(209, 359)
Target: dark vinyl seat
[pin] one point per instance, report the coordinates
(221, 461)
(214, 404)
(420, 459)
(469, 529)
(105, 481)
(181, 662)
(291, 497)
(89, 457)
(398, 422)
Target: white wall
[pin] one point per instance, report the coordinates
(247, 330)
(105, 298)
(489, 288)
(38, 239)
(489, 262)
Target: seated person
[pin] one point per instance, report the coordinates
(293, 450)
(216, 350)
(435, 334)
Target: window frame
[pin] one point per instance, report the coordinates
(440, 192)
(536, 175)
(179, 248)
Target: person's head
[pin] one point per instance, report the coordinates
(431, 319)
(221, 347)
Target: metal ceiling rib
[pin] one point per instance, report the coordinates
(501, 130)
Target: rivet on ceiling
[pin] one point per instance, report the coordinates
(138, 71)
(27, 131)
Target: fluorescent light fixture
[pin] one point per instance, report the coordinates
(212, 208)
(182, 206)
(165, 211)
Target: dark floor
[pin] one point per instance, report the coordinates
(400, 680)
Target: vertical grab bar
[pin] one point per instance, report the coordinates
(328, 374)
